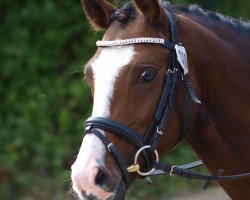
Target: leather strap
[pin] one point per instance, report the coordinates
(173, 27)
(169, 44)
(116, 128)
(183, 171)
(114, 151)
(190, 88)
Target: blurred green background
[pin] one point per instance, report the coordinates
(44, 101)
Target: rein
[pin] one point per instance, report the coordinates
(177, 68)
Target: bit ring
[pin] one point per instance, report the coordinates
(136, 158)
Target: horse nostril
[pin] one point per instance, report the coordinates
(100, 177)
(103, 180)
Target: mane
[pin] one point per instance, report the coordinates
(211, 19)
(206, 18)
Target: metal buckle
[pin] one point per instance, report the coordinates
(169, 71)
(110, 144)
(136, 167)
(172, 170)
(87, 128)
(159, 132)
(175, 70)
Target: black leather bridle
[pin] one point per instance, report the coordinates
(150, 140)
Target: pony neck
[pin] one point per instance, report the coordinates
(221, 77)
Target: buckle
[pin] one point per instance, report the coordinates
(159, 132)
(110, 145)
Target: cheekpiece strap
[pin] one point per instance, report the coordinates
(173, 27)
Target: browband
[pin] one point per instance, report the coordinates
(142, 40)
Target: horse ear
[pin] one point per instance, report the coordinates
(98, 12)
(151, 9)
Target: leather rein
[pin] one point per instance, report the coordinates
(147, 144)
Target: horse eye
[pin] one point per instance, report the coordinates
(147, 75)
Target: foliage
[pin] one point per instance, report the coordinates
(43, 98)
(44, 101)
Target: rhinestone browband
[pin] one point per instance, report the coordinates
(130, 41)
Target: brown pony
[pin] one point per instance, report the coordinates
(127, 81)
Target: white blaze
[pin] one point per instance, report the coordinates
(105, 69)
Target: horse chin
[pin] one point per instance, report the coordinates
(120, 191)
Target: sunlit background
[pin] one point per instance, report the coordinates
(44, 101)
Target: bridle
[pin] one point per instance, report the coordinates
(147, 144)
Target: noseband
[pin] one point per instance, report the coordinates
(147, 144)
